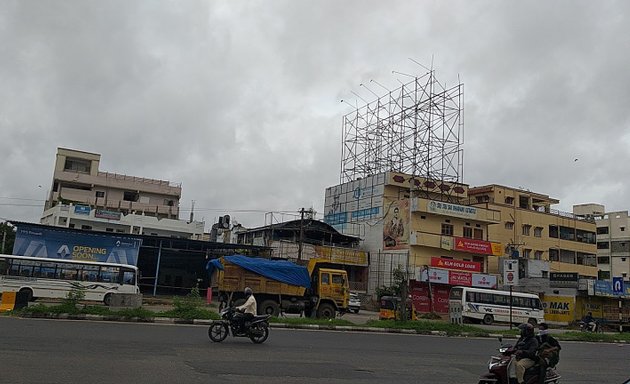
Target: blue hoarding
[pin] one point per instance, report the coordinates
(61, 244)
(605, 288)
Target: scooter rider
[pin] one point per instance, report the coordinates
(589, 322)
(526, 348)
(247, 311)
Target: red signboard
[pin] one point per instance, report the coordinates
(473, 246)
(460, 278)
(421, 301)
(456, 264)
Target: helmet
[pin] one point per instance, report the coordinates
(542, 326)
(248, 292)
(527, 330)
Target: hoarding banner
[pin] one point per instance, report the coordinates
(559, 308)
(82, 209)
(563, 280)
(459, 278)
(455, 264)
(104, 214)
(605, 288)
(473, 246)
(443, 276)
(449, 209)
(434, 275)
(56, 243)
(480, 280)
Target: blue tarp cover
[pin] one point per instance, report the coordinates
(281, 270)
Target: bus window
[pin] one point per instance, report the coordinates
(109, 275)
(129, 277)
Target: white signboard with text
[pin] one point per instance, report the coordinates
(510, 272)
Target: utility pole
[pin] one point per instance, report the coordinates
(301, 234)
(4, 237)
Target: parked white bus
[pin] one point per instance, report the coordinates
(54, 278)
(488, 305)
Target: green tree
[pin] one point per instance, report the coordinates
(7, 238)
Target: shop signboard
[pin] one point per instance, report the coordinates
(477, 246)
(463, 265)
(480, 280)
(105, 214)
(459, 278)
(559, 309)
(563, 279)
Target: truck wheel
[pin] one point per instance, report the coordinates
(326, 311)
(28, 292)
(488, 319)
(269, 307)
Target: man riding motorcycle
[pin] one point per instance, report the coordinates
(526, 349)
(247, 311)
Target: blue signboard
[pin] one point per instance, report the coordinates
(605, 288)
(617, 283)
(57, 243)
(82, 209)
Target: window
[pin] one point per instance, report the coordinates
(447, 229)
(526, 228)
(602, 230)
(509, 200)
(131, 196)
(468, 232)
(77, 165)
(603, 260)
(603, 245)
(523, 202)
(478, 234)
(169, 202)
(423, 217)
(553, 231)
(622, 228)
(545, 274)
(88, 227)
(100, 194)
(325, 279)
(554, 255)
(538, 255)
(337, 279)
(509, 225)
(527, 253)
(603, 275)
(538, 231)
(109, 229)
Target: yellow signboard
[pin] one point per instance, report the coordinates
(559, 309)
(342, 255)
(497, 249)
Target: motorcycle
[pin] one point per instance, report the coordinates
(584, 327)
(502, 369)
(257, 329)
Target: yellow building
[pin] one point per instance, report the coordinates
(420, 224)
(530, 227)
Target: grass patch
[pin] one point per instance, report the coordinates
(428, 326)
(308, 320)
(189, 314)
(593, 337)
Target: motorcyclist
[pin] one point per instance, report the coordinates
(526, 348)
(589, 321)
(247, 311)
(548, 351)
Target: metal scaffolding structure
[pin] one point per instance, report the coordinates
(415, 129)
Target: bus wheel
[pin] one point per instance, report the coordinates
(107, 300)
(488, 319)
(29, 293)
(533, 321)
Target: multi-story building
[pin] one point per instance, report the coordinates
(83, 197)
(417, 225)
(531, 230)
(613, 242)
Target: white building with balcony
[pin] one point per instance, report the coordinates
(83, 197)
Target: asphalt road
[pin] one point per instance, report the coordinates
(52, 351)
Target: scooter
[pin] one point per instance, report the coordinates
(257, 329)
(587, 327)
(502, 369)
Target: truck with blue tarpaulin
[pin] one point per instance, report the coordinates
(281, 285)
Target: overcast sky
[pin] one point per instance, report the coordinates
(240, 100)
